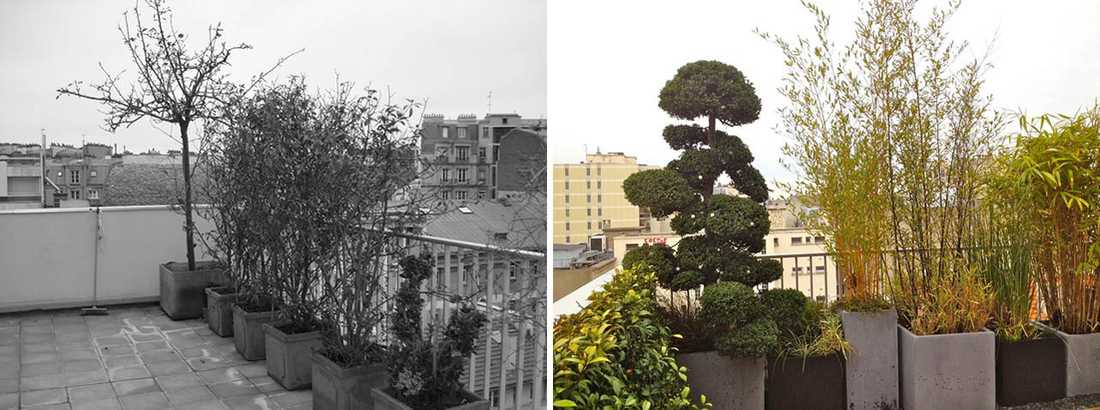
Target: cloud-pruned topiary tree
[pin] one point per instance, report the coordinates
(720, 233)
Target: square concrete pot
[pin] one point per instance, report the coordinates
(794, 382)
(345, 388)
(729, 382)
(1082, 363)
(181, 290)
(1030, 371)
(383, 401)
(952, 371)
(248, 332)
(290, 355)
(871, 371)
(219, 310)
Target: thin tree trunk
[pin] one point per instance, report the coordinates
(188, 222)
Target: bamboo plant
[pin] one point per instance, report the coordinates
(1057, 164)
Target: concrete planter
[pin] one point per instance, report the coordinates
(1082, 363)
(1030, 371)
(248, 333)
(181, 290)
(952, 371)
(345, 388)
(219, 310)
(794, 382)
(728, 382)
(289, 356)
(871, 373)
(383, 401)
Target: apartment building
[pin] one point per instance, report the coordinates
(463, 154)
(73, 182)
(589, 198)
(20, 179)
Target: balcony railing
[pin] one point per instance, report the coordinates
(49, 258)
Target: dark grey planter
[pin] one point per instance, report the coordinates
(728, 382)
(383, 401)
(181, 290)
(1082, 363)
(871, 373)
(248, 333)
(290, 356)
(219, 310)
(952, 371)
(1031, 370)
(345, 388)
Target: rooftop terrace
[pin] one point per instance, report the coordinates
(133, 358)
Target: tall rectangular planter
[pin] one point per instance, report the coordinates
(290, 356)
(219, 310)
(1082, 363)
(1030, 371)
(871, 372)
(248, 333)
(952, 371)
(345, 388)
(383, 401)
(728, 382)
(181, 290)
(793, 382)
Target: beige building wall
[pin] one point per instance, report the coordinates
(589, 198)
(802, 254)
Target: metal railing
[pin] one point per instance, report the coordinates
(805, 271)
(508, 286)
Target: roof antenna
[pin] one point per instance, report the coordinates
(490, 99)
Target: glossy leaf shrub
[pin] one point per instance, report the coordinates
(616, 353)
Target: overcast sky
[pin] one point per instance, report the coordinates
(609, 60)
(450, 53)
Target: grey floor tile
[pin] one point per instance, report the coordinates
(121, 361)
(49, 381)
(82, 365)
(254, 402)
(168, 368)
(44, 397)
(136, 386)
(234, 388)
(220, 375)
(9, 401)
(9, 385)
(101, 404)
(126, 373)
(206, 405)
(88, 377)
(158, 356)
(147, 401)
(192, 394)
(38, 369)
(179, 381)
(292, 398)
(91, 392)
(258, 369)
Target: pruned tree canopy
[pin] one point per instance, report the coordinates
(711, 88)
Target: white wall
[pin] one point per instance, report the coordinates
(46, 255)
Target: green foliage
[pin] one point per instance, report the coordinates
(719, 234)
(730, 304)
(1055, 181)
(710, 88)
(890, 136)
(788, 309)
(661, 190)
(616, 354)
(658, 258)
(753, 339)
(823, 335)
(424, 372)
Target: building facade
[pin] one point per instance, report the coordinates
(462, 155)
(589, 198)
(802, 253)
(77, 182)
(20, 182)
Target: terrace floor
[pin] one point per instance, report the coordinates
(133, 358)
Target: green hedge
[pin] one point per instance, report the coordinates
(616, 352)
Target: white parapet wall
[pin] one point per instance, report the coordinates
(48, 256)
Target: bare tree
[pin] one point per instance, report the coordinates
(174, 85)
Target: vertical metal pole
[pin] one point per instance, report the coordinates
(42, 164)
(489, 328)
(521, 339)
(812, 274)
(505, 296)
(796, 272)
